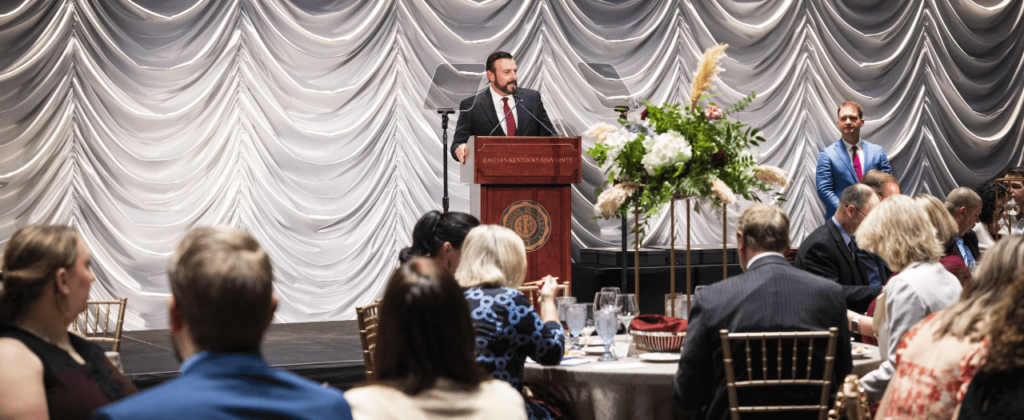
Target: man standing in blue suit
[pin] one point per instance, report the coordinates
(845, 162)
(222, 301)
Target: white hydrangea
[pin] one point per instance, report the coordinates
(615, 139)
(667, 149)
(600, 131)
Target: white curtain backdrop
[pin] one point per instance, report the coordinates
(302, 121)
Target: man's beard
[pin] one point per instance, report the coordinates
(509, 88)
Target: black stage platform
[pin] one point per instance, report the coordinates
(321, 351)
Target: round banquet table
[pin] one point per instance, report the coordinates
(629, 388)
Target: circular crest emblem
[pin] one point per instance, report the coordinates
(530, 221)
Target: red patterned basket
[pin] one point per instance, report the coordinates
(658, 341)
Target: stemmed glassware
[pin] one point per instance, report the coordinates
(607, 321)
(627, 309)
(576, 317)
(589, 327)
(561, 305)
(1011, 207)
(606, 299)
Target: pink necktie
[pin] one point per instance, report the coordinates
(510, 121)
(856, 162)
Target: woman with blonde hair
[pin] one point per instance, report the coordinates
(46, 371)
(898, 232)
(508, 330)
(939, 356)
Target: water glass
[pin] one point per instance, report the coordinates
(561, 303)
(607, 321)
(576, 318)
(589, 327)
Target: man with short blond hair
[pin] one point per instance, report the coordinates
(883, 184)
(845, 162)
(769, 296)
(222, 302)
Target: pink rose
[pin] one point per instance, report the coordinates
(713, 112)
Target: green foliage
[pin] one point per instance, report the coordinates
(726, 137)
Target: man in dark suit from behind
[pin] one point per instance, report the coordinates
(222, 301)
(965, 206)
(770, 296)
(831, 251)
(487, 109)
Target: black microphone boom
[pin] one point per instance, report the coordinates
(516, 96)
(503, 118)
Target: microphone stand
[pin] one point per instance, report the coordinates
(444, 152)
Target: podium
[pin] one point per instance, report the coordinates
(523, 183)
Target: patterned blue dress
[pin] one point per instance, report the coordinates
(508, 331)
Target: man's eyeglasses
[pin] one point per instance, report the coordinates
(858, 211)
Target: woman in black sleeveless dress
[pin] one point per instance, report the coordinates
(45, 371)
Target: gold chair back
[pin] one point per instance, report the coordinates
(782, 378)
(101, 321)
(851, 401)
(532, 293)
(368, 317)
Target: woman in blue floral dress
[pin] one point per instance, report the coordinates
(508, 330)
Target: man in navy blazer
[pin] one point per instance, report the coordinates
(493, 112)
(770, 296)
(221, 304)
(837, 168)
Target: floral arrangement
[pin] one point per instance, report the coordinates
(675, 150)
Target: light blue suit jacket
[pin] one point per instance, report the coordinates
(835, 171)
(232, 386)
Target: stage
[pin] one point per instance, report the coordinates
(320, 351)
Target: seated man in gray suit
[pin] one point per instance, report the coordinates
(770, 296)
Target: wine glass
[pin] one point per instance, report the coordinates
(1011, 207)
(589, 328)
(607, 321)
(605, 299)
(561, 303)
(627, 309)
(576, 317)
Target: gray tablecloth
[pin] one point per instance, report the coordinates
(597, 390)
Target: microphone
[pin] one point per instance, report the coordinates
(505, 116)
(516, 96)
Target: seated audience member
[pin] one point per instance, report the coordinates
(46, 371)
(426, 367)
(1016, 190)
(899, 232)
(945, 232)
(831, 251)
(222, 301)
(439, 236)
(987, 228)
(938, 357)
(965, 206)
(508, 330)
(997, 390)
(769, 296)
(884, 184)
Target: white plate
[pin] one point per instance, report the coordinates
(594, 350)
(862, 354)
(660, 357)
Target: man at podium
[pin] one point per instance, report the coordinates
(502, 110)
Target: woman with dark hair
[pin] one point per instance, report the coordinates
(426, 367)
(987, 227)
(997, 390)
(439, 236)
(46, 371)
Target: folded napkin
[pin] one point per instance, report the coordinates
(658, 323)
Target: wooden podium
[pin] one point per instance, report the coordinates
(523, 184)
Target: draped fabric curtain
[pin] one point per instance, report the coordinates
(303, 122)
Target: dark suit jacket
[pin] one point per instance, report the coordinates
(232, 386)
(825, 253)
(971, 242)
(770, 296)
(482, 118)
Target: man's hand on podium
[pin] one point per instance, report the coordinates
(460, 152)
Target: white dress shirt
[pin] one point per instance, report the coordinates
(499, 108)
(860, 154)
